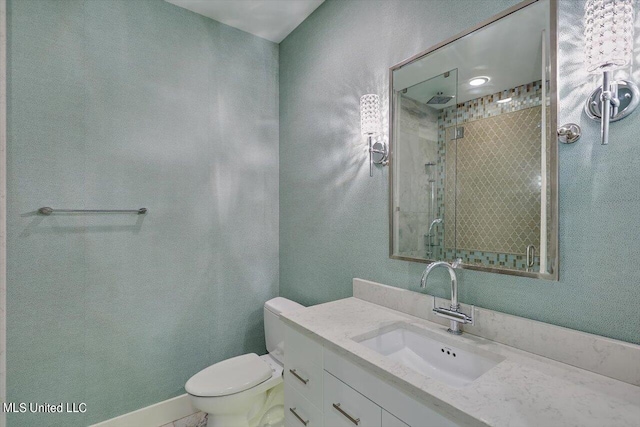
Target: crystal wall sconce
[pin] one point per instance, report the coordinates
(370, 127)
(608, 31)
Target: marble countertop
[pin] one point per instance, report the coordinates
(522, 390)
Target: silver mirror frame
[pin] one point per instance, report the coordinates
(553, 144)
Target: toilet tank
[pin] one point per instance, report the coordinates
(273, 330)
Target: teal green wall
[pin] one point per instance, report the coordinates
(123, 104)
(333, 217)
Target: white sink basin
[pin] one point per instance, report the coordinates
(430, 356)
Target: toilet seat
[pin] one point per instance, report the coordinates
(229, 376)
(245, 408)
(246, 391)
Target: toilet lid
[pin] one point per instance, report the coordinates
(229, 376)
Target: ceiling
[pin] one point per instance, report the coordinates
(270, 19)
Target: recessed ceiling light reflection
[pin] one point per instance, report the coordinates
(479, 81)
(504, 101)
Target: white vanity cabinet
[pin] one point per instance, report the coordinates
(389, 420)
(303, 371)
(322, 388)
(299, 411)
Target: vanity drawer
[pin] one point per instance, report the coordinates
(305, 378)
(298, 410)
(408, 410)
(303, 365)
(300, 347)
(345, 407)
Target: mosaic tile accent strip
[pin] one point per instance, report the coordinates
(493, 259)
(522, 97)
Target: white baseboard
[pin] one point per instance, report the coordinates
(155, 415)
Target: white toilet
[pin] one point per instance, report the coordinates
(247, 390)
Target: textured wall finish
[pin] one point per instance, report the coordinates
(3, 207)
(334, 218)
(120, 105)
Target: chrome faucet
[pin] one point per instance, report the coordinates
(452, 313)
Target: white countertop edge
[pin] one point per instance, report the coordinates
(591, 391)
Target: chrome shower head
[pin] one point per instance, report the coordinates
(439, 100)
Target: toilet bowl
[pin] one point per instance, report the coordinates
(247, 390)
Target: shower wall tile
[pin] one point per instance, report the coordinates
(447, 205)
(493, 259)
(411, 232)
(498, 172)
(493, 171)
(417, 147)
(522, 97)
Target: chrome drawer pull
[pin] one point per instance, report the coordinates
(293, 372)
(356, 421)
(293, 411)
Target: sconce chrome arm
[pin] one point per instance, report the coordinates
(611, 102)
(370, 155)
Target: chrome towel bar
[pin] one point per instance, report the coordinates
(48, 211)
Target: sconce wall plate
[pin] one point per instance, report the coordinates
(379, 153)
(628, 95)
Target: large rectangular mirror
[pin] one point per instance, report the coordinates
(473, 147)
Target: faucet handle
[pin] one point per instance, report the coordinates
(456, 263)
